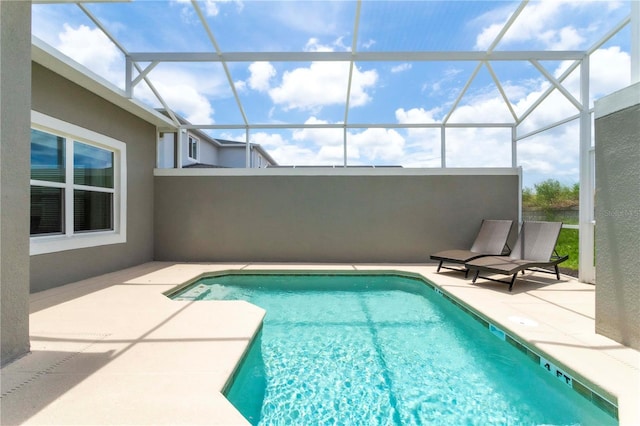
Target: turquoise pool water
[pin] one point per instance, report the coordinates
(382, 350)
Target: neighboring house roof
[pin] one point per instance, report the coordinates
(242, 145)
(339, 167)
(203, 166)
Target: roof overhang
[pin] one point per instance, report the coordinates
(52, 59)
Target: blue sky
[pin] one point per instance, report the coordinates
(381, 92)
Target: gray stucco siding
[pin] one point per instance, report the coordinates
(618, 217)
(60, 98)
(324, 218)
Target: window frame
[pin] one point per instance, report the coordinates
(193, 145)
(69, 239)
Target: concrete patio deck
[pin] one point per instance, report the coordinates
(114, 350)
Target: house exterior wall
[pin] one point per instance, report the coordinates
(184, 149)
(208, 153)
(256, 161)
(234, 157)
(64, 100)
(15, 99)
(166, 151)
(284, 216)
(617, 132)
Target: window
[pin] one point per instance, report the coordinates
(193, 148)
(78, 181)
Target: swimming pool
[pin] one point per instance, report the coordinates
(382, 349)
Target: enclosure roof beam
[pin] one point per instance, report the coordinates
(349, 126)
(420, 56)
(218, 53)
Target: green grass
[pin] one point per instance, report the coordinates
(568, 244)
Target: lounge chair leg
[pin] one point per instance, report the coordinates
(475, 277)
(439, 265)
(513, 280)
(557, 272)
(466, 273)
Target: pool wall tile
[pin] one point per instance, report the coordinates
(580, 388)
(605, 405)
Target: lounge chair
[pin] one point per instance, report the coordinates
(491, 240)
(534, 248)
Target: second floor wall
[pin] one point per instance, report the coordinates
(196, 150)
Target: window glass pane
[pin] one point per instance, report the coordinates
(193, 148)
(92, 166)
(47, 156)
(46, 210)
(92, 211)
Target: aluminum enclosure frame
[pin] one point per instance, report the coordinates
(136, 73)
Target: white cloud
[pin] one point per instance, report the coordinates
(304, 147)
(267, 140)
(319, 137)
(554, 153)
(436, 87)
(488, 35)
(296, 152)
(326, 146)
(422, 145)
(211, 7)
(551, 153)
(478, 147)
(482, 109)
(185, 91)
(261, 75)
(400, 68)
(284, 152)
(538, 22)
(567, 38)
(376, 146)
(610, 71)
(369, 43)
(417, 115)
(314, 45)
(323, 84)
(91, 48)
(183, 98)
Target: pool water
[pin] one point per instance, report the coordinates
(382, 350)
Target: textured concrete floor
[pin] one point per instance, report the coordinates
(114, 350)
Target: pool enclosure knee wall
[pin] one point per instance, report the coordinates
(325, 215)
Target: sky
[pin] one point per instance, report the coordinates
(394, 93)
